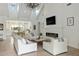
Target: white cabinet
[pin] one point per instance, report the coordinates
(55, 46)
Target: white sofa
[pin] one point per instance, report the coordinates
(22, 47)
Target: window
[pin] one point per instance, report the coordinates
(13, 7)
(13, 10)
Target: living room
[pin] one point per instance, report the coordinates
(22, 18)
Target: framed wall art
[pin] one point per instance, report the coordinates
(70, 21)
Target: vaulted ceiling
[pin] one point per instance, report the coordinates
(23, 12)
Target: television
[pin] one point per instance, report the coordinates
(51, 20)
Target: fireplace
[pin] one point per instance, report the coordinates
(54, 35)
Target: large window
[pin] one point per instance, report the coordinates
(13, 9)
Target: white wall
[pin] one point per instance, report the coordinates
(72, 32)
(51, 10)
(3, 9)
(62, 11)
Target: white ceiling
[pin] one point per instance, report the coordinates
(23, 13)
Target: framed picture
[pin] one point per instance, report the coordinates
(70, 21)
